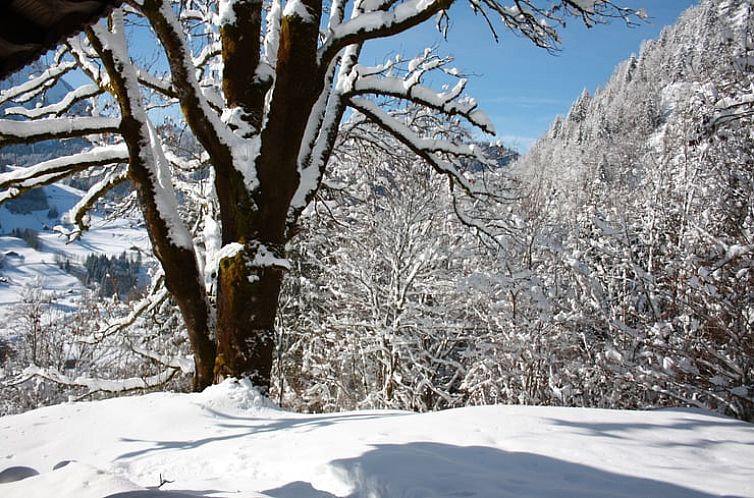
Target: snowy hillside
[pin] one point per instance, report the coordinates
(639, 206)
(24, 266)
(227, 442)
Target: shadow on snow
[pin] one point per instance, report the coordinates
(434, 470)
(429, 470)
(250, 426)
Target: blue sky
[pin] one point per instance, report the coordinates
(520, 87)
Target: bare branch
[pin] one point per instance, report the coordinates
(539, 23)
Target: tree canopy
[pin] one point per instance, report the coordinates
(263, 88)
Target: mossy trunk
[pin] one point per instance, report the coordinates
(249, 282)
(247, 307)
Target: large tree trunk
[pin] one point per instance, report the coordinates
(249, 282)
(247, 306)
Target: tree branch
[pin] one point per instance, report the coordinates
(20, 180)
(410, 88)
(78, 213)
(204, 122)
(96, 385)
(15, 132)
(58, 108)
(27, 91)
(378, 24)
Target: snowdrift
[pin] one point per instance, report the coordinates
(230, 442)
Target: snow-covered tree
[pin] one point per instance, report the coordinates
(263, 88)
(649, 226)
(398, 321)
(52, 354)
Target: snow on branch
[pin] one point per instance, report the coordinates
(27, 90)
(321, 133)
(155, 298)
(162, 86)
(164, 192)
(182, 363)
(475, 223)
(378, 24)
(272, 34)
(95, 384)
(427, 149)
(21, 179)
(82, 51)
(149, 165)
(197, 105)
(337, 12)
(400, 130)
(14, 132)
(208, 52)
(367, 81)
(79, 213)
(194, 13)
(57, 108)
(184, 163)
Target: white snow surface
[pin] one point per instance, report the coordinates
(230, 442)
(22, 266)
(296, 8)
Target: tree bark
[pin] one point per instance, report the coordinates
(247, 307)
(249, 283)
(182, 276)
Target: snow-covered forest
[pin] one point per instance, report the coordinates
(416, 267)
(639, 208)
(260, 93)
(290, 233)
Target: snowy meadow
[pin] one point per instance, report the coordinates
(228, 441)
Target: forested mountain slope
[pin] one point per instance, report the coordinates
(638, 207)
(613, 270)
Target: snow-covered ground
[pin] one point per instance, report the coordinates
(229, 442)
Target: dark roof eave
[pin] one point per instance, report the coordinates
(29, 28)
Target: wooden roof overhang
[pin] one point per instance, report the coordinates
(28, 28)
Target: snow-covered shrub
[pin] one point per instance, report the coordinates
(54, 356)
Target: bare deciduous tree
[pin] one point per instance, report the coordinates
(263, 87)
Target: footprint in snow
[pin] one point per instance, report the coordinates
(13, 474)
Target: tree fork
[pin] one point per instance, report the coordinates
(249, 289)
